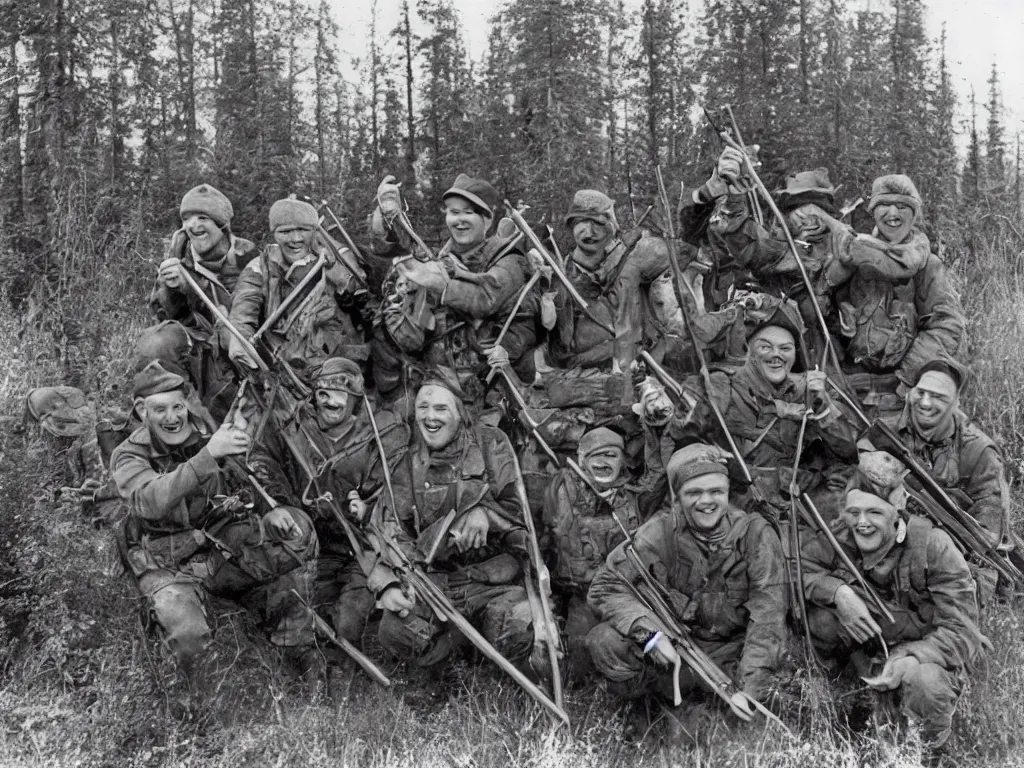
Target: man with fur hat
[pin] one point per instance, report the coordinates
(326, 319)
(459, 515)
(614, 272)
(325, 459)
(206, 247)
(188, 533)
(723, 571)
(581, 528)
(926, 584)
(449, 311)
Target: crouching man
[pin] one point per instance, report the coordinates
(920, 574)
(459, 515)
(722, 570)
(187, 534)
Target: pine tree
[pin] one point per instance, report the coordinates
(995, 141)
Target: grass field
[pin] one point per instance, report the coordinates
(80, 686)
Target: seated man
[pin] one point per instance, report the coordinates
(328, 447)
(723, 571)
(458, 513)
(325, 320)
(187, 534)
(214, 257)
(921, 576)
(581, 530)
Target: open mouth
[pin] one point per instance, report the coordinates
(172, 428)
(432, 427)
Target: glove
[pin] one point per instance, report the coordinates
(389, 197)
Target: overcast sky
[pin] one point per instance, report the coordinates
(978, 33)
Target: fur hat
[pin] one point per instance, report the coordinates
(293, 213)
(477, 191)
(592, 205)
(208, 201)
(895, 188)
(695, 460)
(155, 379)
(340, 373)
(599, 438)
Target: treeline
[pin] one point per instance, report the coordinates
(111, 109)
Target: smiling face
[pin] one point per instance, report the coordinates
(333, 406)
(872, 521)
(166, 415)
(295, 242)
(703, 501)
(894, 221)
(466, 225)
(934, 395)
(437, 416)
(203, 233)
(773, 351)
(590, 240)
(604, 465)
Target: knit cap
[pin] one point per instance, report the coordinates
(695, 460)
(293, 213)
(211, 202)
(895, 188)
(592, 205)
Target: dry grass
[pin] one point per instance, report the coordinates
(80, 684)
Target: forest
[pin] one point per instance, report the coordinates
(111, 109)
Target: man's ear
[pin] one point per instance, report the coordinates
(139, 406)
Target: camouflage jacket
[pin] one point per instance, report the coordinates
(581, 528)
(969, 465)
(345, 462)
(325, 321)
(217, 278)
(475, 470)
(453, 329)
(619, 295)
(735, 590)
(924, 579)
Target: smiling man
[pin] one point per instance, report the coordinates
(325, 320)
(926, 584)
(188, 533)
(459, 515)
(214, 257)
(723, 571)
(579, 518)
(447, 312)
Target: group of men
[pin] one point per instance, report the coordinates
(651, 414)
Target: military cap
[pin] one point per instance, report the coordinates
(957, 372)
(154, 379)
(477, 191)
(340, 373)
(599, 438)
(696, 460)
(807, 188)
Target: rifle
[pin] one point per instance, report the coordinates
(544, 626)
(754, 204)
(290, 298)
(344, 234)
(654, 599)
(942, 509)
(681, 282)
(535, 242)
(442, 606)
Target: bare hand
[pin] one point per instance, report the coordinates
(893, 673)
(169, 273)
(429, 274)
(397, 601)
(854, 615)
(471, 531)
(791, 411)
(281, 525)
(664, 653)
(389, 197)
(228, 441)
(497, 356)
(238, 354)
(356, 506)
